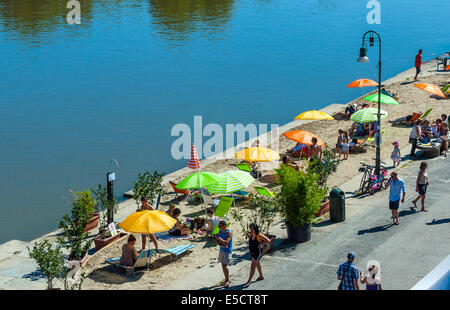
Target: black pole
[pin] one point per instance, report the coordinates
(110, 193)
(378, 138)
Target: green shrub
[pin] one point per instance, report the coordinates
(108, 207)
(50, 260)
(300, 197)
(262, 211)
(73, 237)
(329, 165)
(148, 185)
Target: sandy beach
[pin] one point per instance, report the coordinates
(411, 99)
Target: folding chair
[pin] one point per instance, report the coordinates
(179, 191)
(244, 167)
(143, 260)
(224, 206)
(427, 112)
(264, 191)
(208, 200)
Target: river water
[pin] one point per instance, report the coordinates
(72, 97)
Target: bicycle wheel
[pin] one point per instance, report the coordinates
(366, 187)
(384, 183)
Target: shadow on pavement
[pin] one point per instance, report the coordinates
(375, 229)
(405, 213)
(437, 222)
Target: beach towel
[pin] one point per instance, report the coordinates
(164, 236)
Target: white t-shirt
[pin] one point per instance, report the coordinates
(413, 132)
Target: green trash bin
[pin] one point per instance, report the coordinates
(337, 205)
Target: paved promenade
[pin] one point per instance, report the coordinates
(406, 252)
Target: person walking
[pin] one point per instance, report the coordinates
(146, 206)
(256, 243)
(414, 136)
(372, 281)
(396, 187)
(421, 185)
(348, 274)
(418, 64)
(396, 155)
(224, 239)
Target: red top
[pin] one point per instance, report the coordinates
(418, 60)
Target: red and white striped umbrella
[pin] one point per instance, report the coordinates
(193, 162)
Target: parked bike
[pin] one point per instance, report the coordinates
(370, 183)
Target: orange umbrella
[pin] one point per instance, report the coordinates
(447, 68)
(362, 83)
(431, 88)
(303, 137)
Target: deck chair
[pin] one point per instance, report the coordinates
(244, 167)
(224, 206)
(372, 139)
(179, 191)
(427, 112)
(143, 260)
(178, 250)
(264, 191)
(208, 200)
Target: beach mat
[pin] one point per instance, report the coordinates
(164, 236)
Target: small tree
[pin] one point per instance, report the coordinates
(300, 197)
(324, 169)
(50, 260)
(73, 237)
(262, 211)
(107, 206)
(148, 185)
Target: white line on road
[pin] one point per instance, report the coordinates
(302, 261)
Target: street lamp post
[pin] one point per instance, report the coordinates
(371, 39)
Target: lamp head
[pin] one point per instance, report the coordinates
(363, 55)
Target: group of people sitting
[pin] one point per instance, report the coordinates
(352, 108)
(423, 131)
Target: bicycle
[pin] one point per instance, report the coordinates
(370, 183)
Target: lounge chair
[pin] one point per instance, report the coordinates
(178, 250)
(143, 260)
(180, 191)
(244, 167)
(264, 191)
(208, 199)
(224, 206)
(427, 112)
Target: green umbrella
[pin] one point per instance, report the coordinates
(384, 99)
(367, 115)
(233, 180)
(199, 179)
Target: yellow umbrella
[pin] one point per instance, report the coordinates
(148, 222)
(257, 154)
(313, 115)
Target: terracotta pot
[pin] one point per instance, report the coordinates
(269, 248)
(324, 208)
(81, 262)
(93, 222)
(100, 243)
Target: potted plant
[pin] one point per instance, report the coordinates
(88, 207)
(107, 207)
(74, 235)
(299, 200)
(328, 165)
(50, 261)
(262, 211)
(149, 186)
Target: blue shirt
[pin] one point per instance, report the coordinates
(348, 272)
(224, 237)
(395, 189)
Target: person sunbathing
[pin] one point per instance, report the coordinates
(299, 150)
(362, 130)
(129, 254)
(179, 229)
(407, 120)
(287, 162)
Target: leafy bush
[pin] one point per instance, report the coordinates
(108, 207)
(263, 211)
(329, 165)
(148, 185)
(300, 197)
(50, 260)
(73, 237)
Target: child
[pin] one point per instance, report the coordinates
(338, 148)
(395, 155)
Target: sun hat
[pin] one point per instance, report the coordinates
(395, 143)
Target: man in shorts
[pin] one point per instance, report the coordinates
(418, 64)
(224, 239)
(146, 206)
(396, 187)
